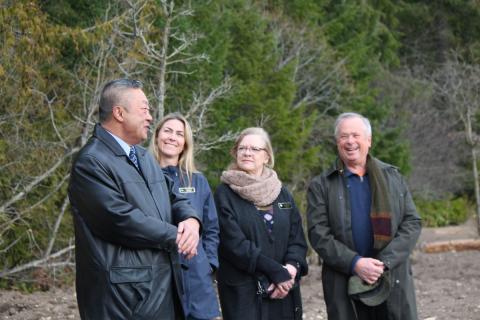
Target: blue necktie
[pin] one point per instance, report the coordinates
(133, 156)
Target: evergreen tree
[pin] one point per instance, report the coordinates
(263, 95)
(364, 33)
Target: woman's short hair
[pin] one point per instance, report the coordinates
(262, 134)
(186, 162)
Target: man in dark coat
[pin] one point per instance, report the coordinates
(362, 222)
(129, 224)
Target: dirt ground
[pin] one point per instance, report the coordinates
(447, 286)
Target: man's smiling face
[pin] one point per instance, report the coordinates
(353, 142)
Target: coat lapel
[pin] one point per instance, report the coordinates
(144, 169)
(101, 134)
(147, 173)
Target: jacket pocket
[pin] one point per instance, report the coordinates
(132, 285)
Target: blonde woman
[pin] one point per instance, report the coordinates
(173, 148)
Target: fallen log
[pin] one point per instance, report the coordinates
(452, 245)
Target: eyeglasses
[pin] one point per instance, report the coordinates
(255, 150)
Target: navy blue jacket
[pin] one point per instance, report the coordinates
(126, 256)
(200, 300)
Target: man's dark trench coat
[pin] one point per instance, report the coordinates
(125, 233)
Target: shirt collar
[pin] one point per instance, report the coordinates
(348, 173)
(125, 146)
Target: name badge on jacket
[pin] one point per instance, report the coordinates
(186, 190)
(285, 205)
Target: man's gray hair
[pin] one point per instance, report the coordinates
(112, 95)
(349, 115)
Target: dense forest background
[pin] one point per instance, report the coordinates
(291, 66)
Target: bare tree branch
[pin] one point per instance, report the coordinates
(318, 77)
(37, 263)
(200, 103)
(213, 144)
(36, 181)
(458, 85)
(53, 236)
(49, 102)
(171, 51)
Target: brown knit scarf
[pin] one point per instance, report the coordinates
(262, 190)
(380, 210)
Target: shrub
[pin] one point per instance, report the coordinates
(444, 212)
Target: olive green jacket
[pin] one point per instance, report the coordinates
(330, 235)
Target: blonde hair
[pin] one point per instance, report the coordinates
(186, 162)
(257, 131)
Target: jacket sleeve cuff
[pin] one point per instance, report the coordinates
(297, 266)
(354, 262)
(272, 269)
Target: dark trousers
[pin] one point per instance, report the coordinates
(365, 312)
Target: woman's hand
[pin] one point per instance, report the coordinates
(281, 289)
(292, 270)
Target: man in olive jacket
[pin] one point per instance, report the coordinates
(362, 221)
(129, 224)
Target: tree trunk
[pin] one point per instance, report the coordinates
(159, 112)
(452, 245)
(477, 187)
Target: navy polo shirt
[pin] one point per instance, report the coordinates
(360, 201)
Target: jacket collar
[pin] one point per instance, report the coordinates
(337, 167)
(170, 170)
(101, 134)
